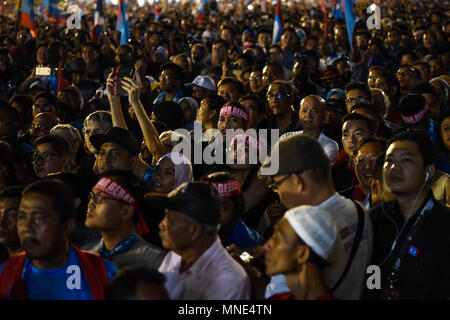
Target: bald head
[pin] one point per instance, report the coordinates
(312, 114)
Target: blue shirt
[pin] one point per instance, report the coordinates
(60, 283)
(244, 237)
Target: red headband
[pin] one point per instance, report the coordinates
(414, 118)
(228, 188)
(230, 110)
(116, 191)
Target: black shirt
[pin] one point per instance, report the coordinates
(423, 274)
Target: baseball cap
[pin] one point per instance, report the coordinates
(209, 34)
(297, 153)
(315, 227)
(330, 73)
(117, 135)
(198, 200)
(161, 50)
(204, 82)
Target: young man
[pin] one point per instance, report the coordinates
(117, 150)
(51, 268)
(113, 209)
(51, 155)
(198, 267)
(9, 206)
(356, 92)
(304, 178)
(411, 243)
(170, 83)
(355, 127)
(301, 243)
(232, 116)
(312, 117)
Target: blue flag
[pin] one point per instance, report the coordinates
(349, 19)
(122, 22)
(337, 10)
(277, 24)
(99, 20)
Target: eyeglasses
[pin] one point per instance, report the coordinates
(9, 213)
(98, 198)
(276, 185)
(356, 99)
(44, 156)
(362, 162)
(278, 96)
(255, 79)
(43, 107)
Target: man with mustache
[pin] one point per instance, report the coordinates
(51, 268)
(9, 205)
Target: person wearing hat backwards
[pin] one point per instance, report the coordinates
(117, 149)
(301, 243)
(197, 267)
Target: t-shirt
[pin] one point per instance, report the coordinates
(62, 283)
(244, 236)
(330, 146)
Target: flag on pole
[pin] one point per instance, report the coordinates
(337, 10)
(201, 11)
(122, 22)
(51, 10)
(99, 20)
(27, 16)
(155, 12)
(277, 24)
(325, 14)
(349, 19)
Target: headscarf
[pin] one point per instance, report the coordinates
(338, 91)
(183, 168)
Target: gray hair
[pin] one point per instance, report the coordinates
(71, 132)
(102, 117)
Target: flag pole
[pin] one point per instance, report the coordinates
(18, 17)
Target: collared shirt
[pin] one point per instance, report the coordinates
(215, 275)
(162, 97)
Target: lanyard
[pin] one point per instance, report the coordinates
(405, 247)
(122, 246)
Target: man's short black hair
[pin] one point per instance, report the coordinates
(10, 111)
(215, 102)
(261, 106)
(422, 141)
(356, 116)
(14, 192)
(414, 70)
(50, 97)
(425, 87)
(360, 86)
(232, 80)
(125, 283)
(222, 42)
(380, 141)
(372, 108)
(62, 195)
(58, 144)
(178, 71)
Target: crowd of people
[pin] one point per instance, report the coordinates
(98, 200)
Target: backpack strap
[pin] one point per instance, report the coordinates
(356, 242)
(11, 283)
(95, 270)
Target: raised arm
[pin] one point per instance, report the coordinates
(114, 101)
(151, 136)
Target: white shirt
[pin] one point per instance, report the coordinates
(330, 146)
(215, 275)
(344, 213)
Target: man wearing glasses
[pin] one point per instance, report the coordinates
(114, 210)
(356, 92)
(408, 77)
(45, 102)
(281, 103)
(170, 83)
(304, 178)
(51, 155)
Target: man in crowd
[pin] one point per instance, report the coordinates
(198, 266)
(51, 268)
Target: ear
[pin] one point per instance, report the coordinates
(77, 202)
(431, 168)
(212, 114)
(196, 231)
(128, 213)
(299, 183)
(68, 227)
(302, 254)
(375, 186)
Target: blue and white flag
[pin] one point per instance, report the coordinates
(349, 19)
(122, 22)
(277, 24)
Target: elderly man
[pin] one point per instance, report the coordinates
(312, 116)
(304, 178)
(198, 267)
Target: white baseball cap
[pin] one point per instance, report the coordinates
(204, 82)
(315, 227)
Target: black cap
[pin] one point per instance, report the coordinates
(117, 135)
(199, 200)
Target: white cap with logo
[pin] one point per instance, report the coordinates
(204, 82)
